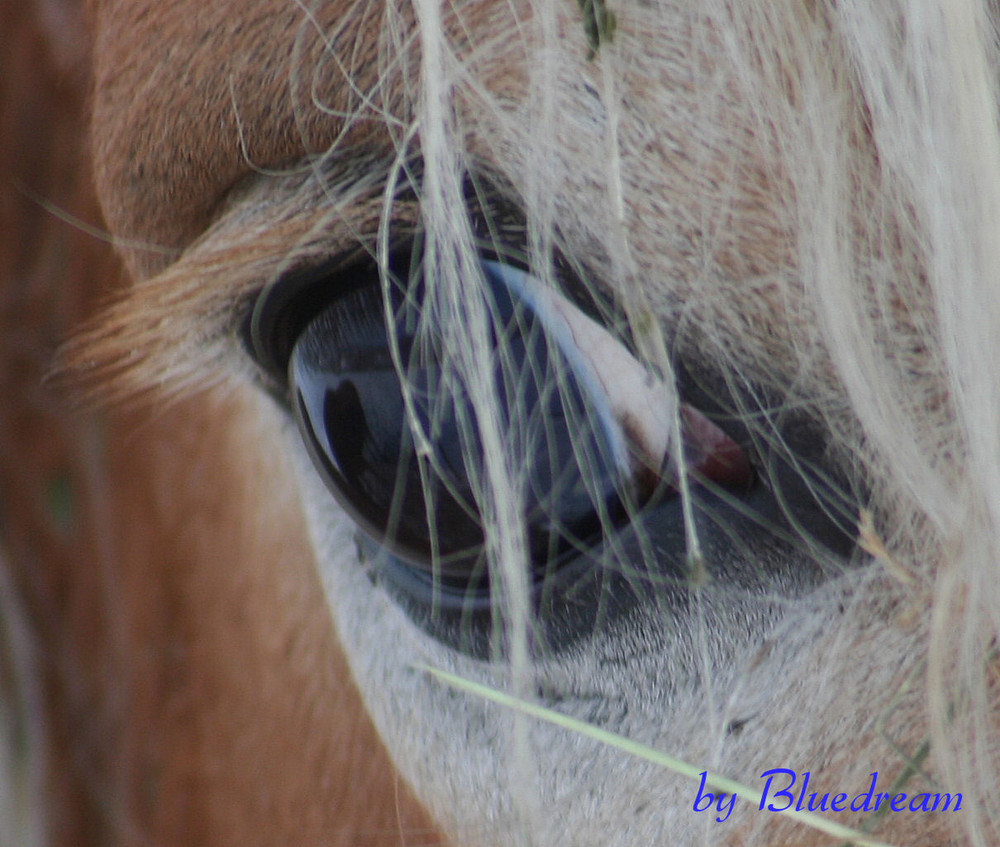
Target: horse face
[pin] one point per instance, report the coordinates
(417, 249)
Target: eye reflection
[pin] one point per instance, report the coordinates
(558, 427)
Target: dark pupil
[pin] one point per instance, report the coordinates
(350, 406)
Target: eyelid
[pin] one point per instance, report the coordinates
(282, 309)
(266, 332)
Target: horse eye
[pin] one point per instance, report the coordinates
(363, 409)
(585, 440)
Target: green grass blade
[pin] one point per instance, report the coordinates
(719, 783)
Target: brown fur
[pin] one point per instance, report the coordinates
(189, 671)
(178, 85)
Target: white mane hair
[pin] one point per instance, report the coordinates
(868, 275)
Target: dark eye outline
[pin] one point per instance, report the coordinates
(590, 592)
(281, 311)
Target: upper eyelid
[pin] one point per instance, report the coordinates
(280, 312)
(492, 230)
(182, 327)
(177, 330)
(304, 289)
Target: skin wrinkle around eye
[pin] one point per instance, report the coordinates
(169, 118)
(192, 99)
